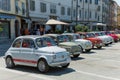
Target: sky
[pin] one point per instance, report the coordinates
(118, 2)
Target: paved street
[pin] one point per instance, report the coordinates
(97, 65)
(4, 45)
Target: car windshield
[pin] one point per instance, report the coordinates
(90, 35)
(77, 36)
(62, 38)
(44, 42)
(98, 34)
(102, 33)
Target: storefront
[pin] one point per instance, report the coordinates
(5, 26)
(4, 29)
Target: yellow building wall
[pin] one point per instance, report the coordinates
(12, 11)
(18, 16)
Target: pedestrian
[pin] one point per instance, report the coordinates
(26, 31)
(37, 32)
(22, 31)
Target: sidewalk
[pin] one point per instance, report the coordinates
(4, 46)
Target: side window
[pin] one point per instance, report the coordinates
(17, 43)
(28, 43)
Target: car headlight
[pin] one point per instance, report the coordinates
(54, 56)
(68, 49)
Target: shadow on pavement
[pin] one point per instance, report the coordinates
(78, 58)
(99, 49)
(91, 52)
(56, 71)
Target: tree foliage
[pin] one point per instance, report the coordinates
(82, 28)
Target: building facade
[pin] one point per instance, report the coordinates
(118, 17)
(11, 13)
(40, 11)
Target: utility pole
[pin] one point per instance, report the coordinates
(76, 12)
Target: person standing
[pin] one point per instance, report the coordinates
(26, 31)
(37, 32)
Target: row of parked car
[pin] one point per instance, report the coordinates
(54, 50)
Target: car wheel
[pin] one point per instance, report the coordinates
(87, 50)
(81, 49)
(43, 66)
(65, 66)
(76, 55)
(106, 44)
(9, 62)
(99, 47)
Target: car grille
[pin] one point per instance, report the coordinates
(75, 49)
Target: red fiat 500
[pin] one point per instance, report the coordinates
(96, 42)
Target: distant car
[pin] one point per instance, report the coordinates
(86, 45)
(105, 39)
(63, 41)
(36, 51)
(114, 36)
(96, 42)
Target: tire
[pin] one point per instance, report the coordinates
(87, 50)
(43, 66)
(76, 55)
(99, 47)
(106, 44)
(9, 62)
(81, 49)
(65, 66)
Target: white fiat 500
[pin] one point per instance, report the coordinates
(36, 51)
(86, 45)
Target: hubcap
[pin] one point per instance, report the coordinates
(9, 62)
(41, 66)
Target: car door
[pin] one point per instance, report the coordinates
(27, 51)
(15, 50)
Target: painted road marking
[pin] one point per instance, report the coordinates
(28, 74)
(97, 75)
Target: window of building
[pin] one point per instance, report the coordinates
(42, 7)
(80, 13)
(5, 5)
(85, 14)
(90, 14)
(68, 11)
(95, 15)
(74, 13)
(17, 8)
(86, 1)
(53, 8)
(90, 1)
(23, 8)
(32, 5)
(80, 0)
(62, 10)
(96, 1)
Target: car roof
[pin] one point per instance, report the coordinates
(54, 35)
(68, 33)
(30, 36)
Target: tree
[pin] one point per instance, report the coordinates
(82, 28)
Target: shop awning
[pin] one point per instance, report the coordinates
(99, 24)
(7, 16)
(55, 22)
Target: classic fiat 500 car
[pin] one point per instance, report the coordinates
(105, 39)
(96, 42)
(109, 37)
(114, 36)
(86, 45)
(36, 51)
(63, 41)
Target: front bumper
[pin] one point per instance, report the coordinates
(59, 63)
